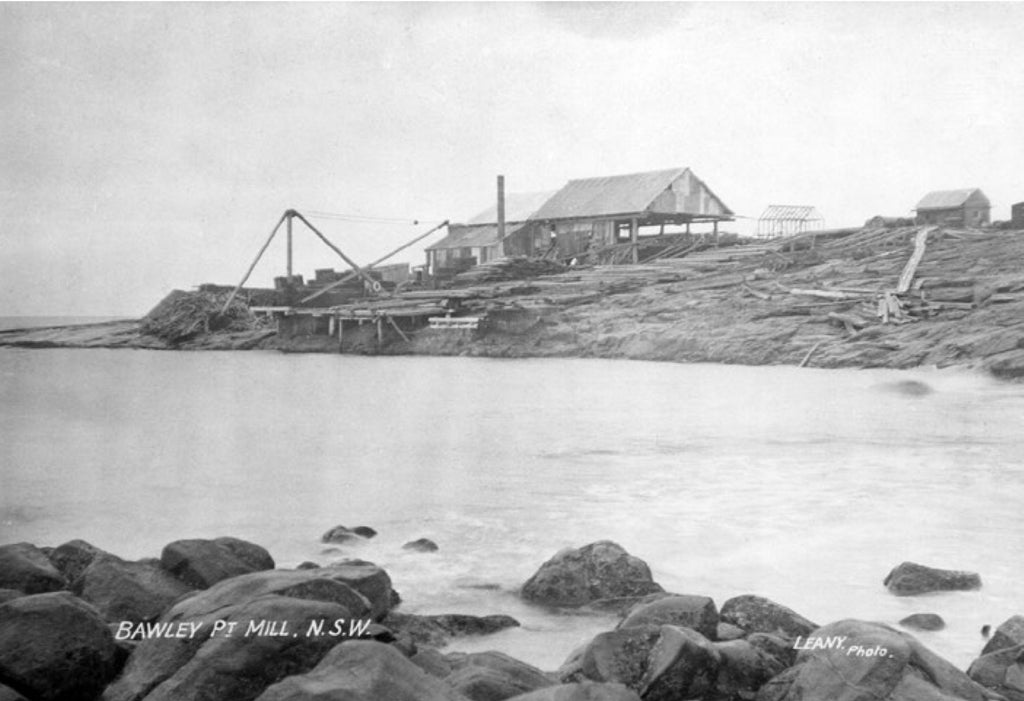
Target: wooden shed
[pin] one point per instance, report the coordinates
(967, 207)
(477, 240)
(593, 213)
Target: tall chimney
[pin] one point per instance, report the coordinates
(501, 208)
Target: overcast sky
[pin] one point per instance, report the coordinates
(147, 147)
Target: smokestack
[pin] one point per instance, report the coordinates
(501, 208)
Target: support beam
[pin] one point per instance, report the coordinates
(501, 209)
(288, 270)
(373, 284)
(349, 276)
(248, 272)
(634, 236)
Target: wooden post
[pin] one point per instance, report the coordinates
(380, 333)
(501, 210)
(248, 272)
(716, 233)
(341, 332)
(634, 236)
(331, 323)
(289, 268)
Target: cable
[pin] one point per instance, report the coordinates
(367, 218)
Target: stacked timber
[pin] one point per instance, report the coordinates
(518, 268)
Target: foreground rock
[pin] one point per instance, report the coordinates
(26, 568)
(56, 647)
(682, 665)
(697, 612)
(1009, 634)
(71, 558)
(438, 630)
(910, 578)
(872, 662)
(1001, 671)
(201, 563)
(494, 676)
(583, 691)
(128, 591)
(239, 665)
(756, 614)
(601, 570)
(362, 671)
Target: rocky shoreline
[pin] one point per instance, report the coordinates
(216, 619)
(827, 303)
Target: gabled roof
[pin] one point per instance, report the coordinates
(790, 212)
(462, 236)
(948, 199)
(519, 206)
(616, 194)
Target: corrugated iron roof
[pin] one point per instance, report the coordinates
(462, 236)
(616, 194)
(519, 206)
(790, 212)
(946, 199)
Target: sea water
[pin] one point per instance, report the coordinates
(804, 486)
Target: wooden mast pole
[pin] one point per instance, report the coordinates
(259, 255)
(288, 272)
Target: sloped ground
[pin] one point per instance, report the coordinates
(813, 302)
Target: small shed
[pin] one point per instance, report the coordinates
(591, 213)
(477, 240)
(1017, 215)
(788, 220)
(967, 207)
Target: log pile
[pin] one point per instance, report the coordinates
(184, 315)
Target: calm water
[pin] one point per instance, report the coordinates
(805, 486)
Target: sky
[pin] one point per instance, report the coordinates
(148, 147)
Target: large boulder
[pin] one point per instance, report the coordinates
(301, 597)
(682, 665)
(1009, 634)
(617, 656)
(756, 614)
(201, 563)
(697, 612)
(583, 691)
(274, 638)
(601, 570)
(910, 578)
(1002, 671)
(494, 676)
(743, 669)
(55, 647)
(71, 558)
(26, 568)
(362, 671)
(128, 591)
(438, 630)
(858, 661)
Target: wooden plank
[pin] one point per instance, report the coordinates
(920, 242)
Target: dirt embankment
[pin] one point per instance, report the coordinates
(834, 300)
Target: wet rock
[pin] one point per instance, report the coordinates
(682, 665)
(9, 694)
(8, 594)
(494, 676)
(55, 646)
(71, 558)
(362, 671)
(1009, 634)
(618, 656)
(923, 621)
(421, 545)
(871, 661)
(330, 592)
(756, 614)
(600, 570)
(1001, 671)
(697, 612)
(438, 630)
(26, 568)
(582, 691)
(201, 563)
(342, 534)
(727, 631)
(743, 669)
(128, 591)
(307, 565)
(910, 578)
(779, 649)
(431, 661)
